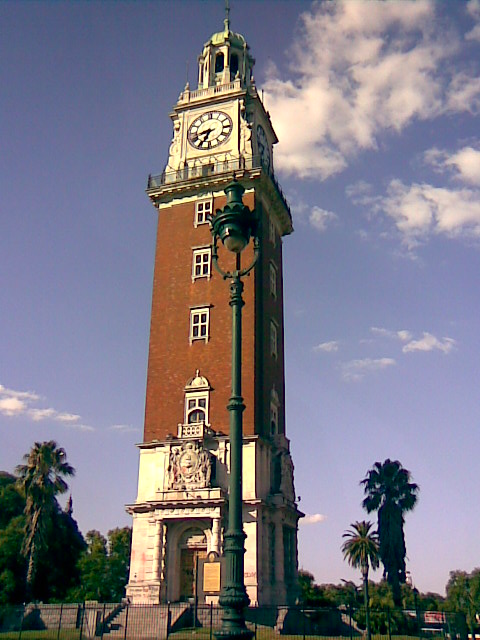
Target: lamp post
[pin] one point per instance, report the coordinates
(234, 225)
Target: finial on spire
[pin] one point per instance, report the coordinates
(226, 22)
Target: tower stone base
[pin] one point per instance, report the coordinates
(178, 523)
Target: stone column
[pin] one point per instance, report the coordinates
(215, 544)
(163, 561)
(279, 554)
(157, 550)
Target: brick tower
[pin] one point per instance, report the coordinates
(219, 129)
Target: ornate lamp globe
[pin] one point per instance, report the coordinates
(235, 223)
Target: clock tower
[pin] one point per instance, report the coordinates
(220, 130)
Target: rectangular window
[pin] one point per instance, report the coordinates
(199, 324)
(272, 232)
(273, 339)
(273, 280)
(203, 208)
(202, 259)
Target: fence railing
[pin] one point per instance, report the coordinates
(209, 169)
(188, 620)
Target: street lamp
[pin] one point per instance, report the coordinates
(234, 225)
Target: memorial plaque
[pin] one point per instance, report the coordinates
(211, 577)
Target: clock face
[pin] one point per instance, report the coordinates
(263, 147)
(210, 130)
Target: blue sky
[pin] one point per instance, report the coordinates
(377, 110)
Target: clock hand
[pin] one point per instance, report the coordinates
(206, 134)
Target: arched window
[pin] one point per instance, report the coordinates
(276, 478)
(219, 62)
(197, 396)
(196, 410)
(233, 65)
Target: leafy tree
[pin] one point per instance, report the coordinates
(12, 524)
(119, 545)
(12, 562)
(361, 549)
(414, 600)
(93, 568)
(314, 595)
(463, 596)
(389, 491)
(41, 478)
(57, 568)
(11, 499)
(103, 567)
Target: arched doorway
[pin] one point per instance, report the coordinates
(193, 548)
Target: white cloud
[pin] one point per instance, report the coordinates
(319, 218)
(312, 519)
(19, 403)
(419, 210)
(123, 428)
(464, 94)
(402, 335)
(359, 74)
(467, 164)
(328, 347)
(11, 406)
(80, 427)
(26, 395)
(357, 369)
(67, 417)
(473, 9)
(430, 343)
(41, 414)
(463, 164)
(359, 192)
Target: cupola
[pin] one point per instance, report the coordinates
(225, 57)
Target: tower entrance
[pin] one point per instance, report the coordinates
(193, 548)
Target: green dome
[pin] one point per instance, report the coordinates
(235, 39)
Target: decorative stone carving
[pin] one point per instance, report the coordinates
(286, 482)
(189, 467)
(245, 138)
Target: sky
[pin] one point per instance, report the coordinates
(376, 106)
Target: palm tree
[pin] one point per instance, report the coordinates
(389, 491)
(41, 479)
(361, 551)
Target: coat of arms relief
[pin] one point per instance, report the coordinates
(189, 467)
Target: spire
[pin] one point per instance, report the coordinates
(226, 22)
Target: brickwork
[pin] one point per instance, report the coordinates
(172, 359)
(270, 369)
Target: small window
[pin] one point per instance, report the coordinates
(273, 280)
(273, 339)
(272, 232)
(199, 324)
(219, 62)
(201, 263)
(203, 208)
(274, 405)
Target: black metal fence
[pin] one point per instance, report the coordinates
(187, 620)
